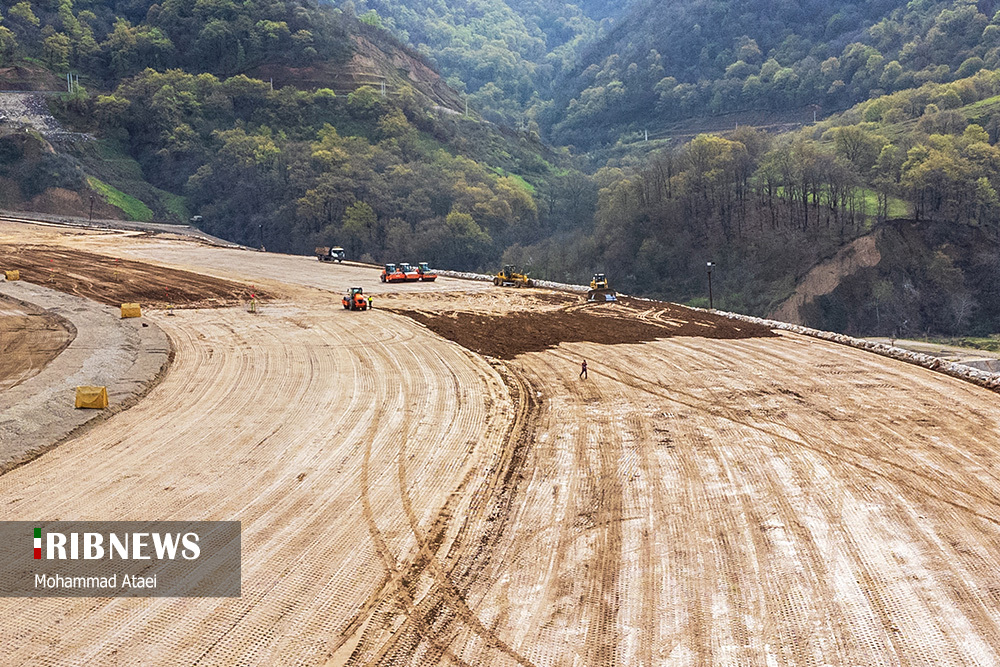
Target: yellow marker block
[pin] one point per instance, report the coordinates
(92, 397)
(131, 310)
(12, 275)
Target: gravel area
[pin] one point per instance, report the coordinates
(29, 110)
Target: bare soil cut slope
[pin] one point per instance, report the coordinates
(826, 276)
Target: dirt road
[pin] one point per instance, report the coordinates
(405, 501)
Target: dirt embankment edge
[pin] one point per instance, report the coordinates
(128, 356)
(962, 372)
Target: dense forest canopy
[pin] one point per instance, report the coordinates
(700, 57)
(111, 40)
(769, 208)
(504, 54)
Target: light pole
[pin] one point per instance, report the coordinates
(91, 208)
(709, 265)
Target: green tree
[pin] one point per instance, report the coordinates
(8, 45)
(360, 228)
(57, 48)
(22, 12)
(858, 145)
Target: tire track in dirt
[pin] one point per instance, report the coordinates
(450, 594)
(773, 613)
(696, 501)
(796, 438)
(947, 559)
(260, 420)
(780, 438)
(432, 605)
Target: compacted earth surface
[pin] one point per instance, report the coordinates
(30, 337)
(432, 482)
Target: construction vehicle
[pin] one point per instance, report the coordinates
(355, 299)
(600, 290)
(425, 272)
(509, 277)
(392, 274)
(325, 254)
(411, 273)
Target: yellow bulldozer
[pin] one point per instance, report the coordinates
(509, 277)
(600, 290)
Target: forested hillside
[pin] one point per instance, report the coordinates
(767, 208)
(664, 61)
(293, 124)
(504, 54)
(383, 172)
(111, 40)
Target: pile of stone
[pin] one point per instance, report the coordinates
(31, 111)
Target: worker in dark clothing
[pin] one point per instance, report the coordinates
(583, 370)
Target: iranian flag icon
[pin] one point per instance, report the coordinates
(38, 543)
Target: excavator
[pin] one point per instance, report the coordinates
(600, 290)
(509, 277)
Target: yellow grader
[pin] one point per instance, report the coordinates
(509, 277)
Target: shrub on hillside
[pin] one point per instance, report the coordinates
(53, 170)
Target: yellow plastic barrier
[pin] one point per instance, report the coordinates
(131, 310)
(92, 397)
(12, 275)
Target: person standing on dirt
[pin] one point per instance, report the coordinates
(370, 306)
(583, 370)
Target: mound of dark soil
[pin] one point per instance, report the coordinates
(115, 281)
(631, 321)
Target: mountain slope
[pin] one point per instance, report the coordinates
(360, 144)
(664, 61)
(504, 54)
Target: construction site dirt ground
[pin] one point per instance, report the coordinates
(30, 338)
(711, 494)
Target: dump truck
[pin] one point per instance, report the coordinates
(509, 277)
(600, 290)
(426, 273)
(392, 274)
(355, 299)
(411, 273)
(325, 254)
